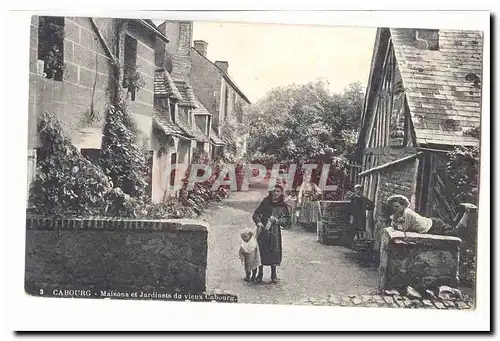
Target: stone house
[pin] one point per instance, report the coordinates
(218, 93)
(423, 98)
(72, 75)
(182, 124)
(192, 96)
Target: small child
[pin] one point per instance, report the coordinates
(249, 254)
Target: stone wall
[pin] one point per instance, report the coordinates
(398, 179)
(423, 261)
(87, 64)
(206, 82)
(104, 254)
(333, 225)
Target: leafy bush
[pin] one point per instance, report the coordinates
(120, 158)
(463, 169)
(66, 183)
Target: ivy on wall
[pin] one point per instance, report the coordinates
(121, 158)
(51, 45)
(66, 183)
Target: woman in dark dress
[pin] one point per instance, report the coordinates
(269, 217)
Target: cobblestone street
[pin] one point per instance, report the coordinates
(310, 274)
(309, 270)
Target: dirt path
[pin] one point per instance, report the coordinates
(308, 270)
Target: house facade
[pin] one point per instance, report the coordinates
(423, 99)
(182, 123)
(192, 97)
(218, 93)
(73, 75)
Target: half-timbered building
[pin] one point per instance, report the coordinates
(423, 99)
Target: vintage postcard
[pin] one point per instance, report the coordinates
(236, 162)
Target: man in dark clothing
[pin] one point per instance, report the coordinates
(359, 205)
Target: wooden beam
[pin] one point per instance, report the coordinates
(378, 101)
(391, 97)
(385, 150)
(372, 125)
(435, 150)
(415, 182)
(386, 91)
(389, 164)
(105, 46)
(413, 137)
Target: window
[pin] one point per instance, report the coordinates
(173, 161)
(427, 39)
(161, 152)
(51, 46)
(172, 111)
(131, 76)
(188, 114)
(226, 100)
(201, 122)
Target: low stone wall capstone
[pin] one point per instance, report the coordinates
(116, 254)
(422, 261)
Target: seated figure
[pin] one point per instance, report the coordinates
(406, 220)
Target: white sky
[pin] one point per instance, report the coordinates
(262, 56)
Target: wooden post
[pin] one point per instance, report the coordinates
(413, 198)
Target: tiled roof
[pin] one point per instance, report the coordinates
(164, 85)
(200, 135)
(439, 85)
(200, 109)
(223, 74)
(216, 139)
(186, 127)
(195, 132)
(167, 125)
(187, 95)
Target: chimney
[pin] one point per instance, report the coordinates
(181, 61)
(201, 47)
(427, 39)
(223, 65)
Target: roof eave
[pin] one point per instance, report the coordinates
(152, 27)
(226, 77)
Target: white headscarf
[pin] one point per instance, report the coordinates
(251, 245)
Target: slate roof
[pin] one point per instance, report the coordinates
(164, 85)
(186, 127)
(215, 138)
(223, 74)
(165, 122)
(200, 109)
(187, 94)
(439, 84)
(194, 132)
(200, 135)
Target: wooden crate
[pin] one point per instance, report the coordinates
(334, 220)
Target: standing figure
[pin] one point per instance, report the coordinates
(249, 254)
(269, 217)
(309, 193)
(359, 205)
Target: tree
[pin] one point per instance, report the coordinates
(305, 123)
